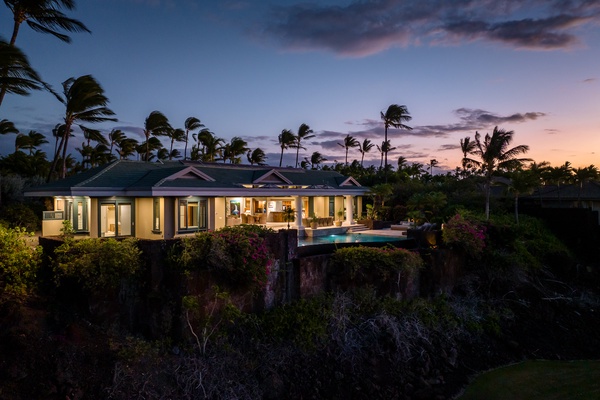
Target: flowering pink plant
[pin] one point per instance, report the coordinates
(465, 234)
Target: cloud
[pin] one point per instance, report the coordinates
(589, 80)
(362, 28)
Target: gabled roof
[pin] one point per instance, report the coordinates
(176, 178)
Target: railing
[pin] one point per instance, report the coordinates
(53, 215)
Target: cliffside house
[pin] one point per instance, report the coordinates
(166, 200)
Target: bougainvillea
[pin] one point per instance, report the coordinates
(239, 255)
(464, 234)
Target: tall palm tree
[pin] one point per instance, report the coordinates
(16, 74)
(84, 102)
(114, 137)
(560, 175)
(432, 163)
(156, 124)
(364, 148)
(191, 124)
(286, 140)
(521, 182)
(304, 133)
(385, 148)
(466, 146)
(176, 135)
(256, 156)
(394, 116)
(94, 135)
(539, 170)
(349, 142)
(494, 155)
(44, 16)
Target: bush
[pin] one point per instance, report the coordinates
(19, 215)
(238, 254)
(97, 264)
(19, 263)
(358, 262)
(465, 234)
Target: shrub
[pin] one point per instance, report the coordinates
(19, 215)
(357, 262)
(97, 264)
(19, 263)
(238, 254)
(466, 234)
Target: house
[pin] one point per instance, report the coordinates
(170, 199)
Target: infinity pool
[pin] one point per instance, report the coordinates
(348, 238)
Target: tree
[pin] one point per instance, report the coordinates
(7, 127)
(521, 182)
(257, 156)
(560, 175)
(30, 141)
(191, 124)
(286, 140)
(316, 159)
(349, 142)
(494, 155)
(234, 149)
(84, 102)
(126, 147)
(156, 124)
(466, 146)
(583, 175)
(394, 116)
(44, 16)
(364, 148)
(114, 137)
(432, 163)
(16, 75)
(176, 135)
(304, 133)
(211, 145)
(384, 149)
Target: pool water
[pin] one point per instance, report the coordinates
(348, 238)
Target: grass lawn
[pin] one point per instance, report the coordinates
(537, 380)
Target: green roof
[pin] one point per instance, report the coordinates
(124, 177)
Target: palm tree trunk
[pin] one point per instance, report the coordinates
(57, 150)
(517, 208)
(187, 134)
(281, 157)
(487, 200)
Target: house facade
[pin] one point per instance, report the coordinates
(166, 200)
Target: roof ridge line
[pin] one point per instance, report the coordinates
(102, 171)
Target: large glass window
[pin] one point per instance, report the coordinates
(116, 219)
(156, 215)
(192, 214)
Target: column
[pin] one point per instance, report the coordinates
(349, 209)
(298, 206)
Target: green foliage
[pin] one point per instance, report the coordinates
(97, 264)
(19, 263)
(19, 215)
(303, 322)
(528, 245)
(358, 262)
(465, 233)
(239, 254)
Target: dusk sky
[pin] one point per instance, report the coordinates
(251, 68)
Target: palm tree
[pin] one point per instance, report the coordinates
(560, 175)
(583, 175)
(349, 142)
(364, 148)
(539, 170)
(211, 145)
(495, 155)
(30, 141)
(191, 124)
(316, 159)
(7, 127)
(257, 156)
(286, 140)
(432, 163)
(16, 75)
(176, 135)
(521, 182)
(234, 149)
(385, 148)
(114, 137)
(145, 150)
(304, 133)
(156, 124)
(84, 101)
(466, 146)
(394, 116)
(126, 147)
(43, 16)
